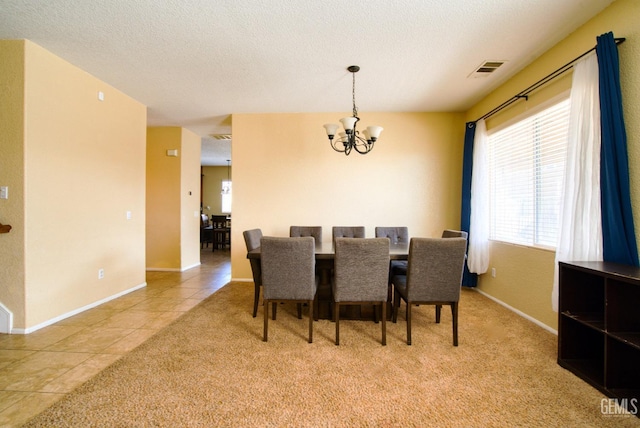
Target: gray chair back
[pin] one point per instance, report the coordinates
(347, 232)
(288, 268)
(361, 269)
(313, 231)
(434, 273)
(450, 233)
(252, 240)
(396, 235)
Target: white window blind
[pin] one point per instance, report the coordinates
(526, 168)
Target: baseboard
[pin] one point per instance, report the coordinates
(75, 311)
(241, 279)
(190, 267)
(522, 314)
(159, 269)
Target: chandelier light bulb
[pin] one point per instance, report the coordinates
(331, 128)
(348, 123)
(374, 132)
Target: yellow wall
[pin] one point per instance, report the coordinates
(173, 199)
(211, 188)
(524, 276)
(83, 169)
(190, 200)
(12, 274)
(163, 198)
(286, 173)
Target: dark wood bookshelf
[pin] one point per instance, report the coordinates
(599, 325)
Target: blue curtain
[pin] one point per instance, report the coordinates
(468, 279)
(619, 241)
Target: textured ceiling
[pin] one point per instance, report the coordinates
(194, 63)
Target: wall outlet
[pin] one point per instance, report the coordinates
(493, 272)
(100, 273)
(128, 215)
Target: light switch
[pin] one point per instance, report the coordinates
(4, 192)
(128, 215)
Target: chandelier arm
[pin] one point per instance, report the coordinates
(362, 146)
(334, 142)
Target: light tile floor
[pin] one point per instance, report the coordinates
(38, 369)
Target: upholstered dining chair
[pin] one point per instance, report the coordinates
(396, 235)
(347, 232)
(252, 240)
(399, 267)
(361, 276)
(434, 277)
(450, 233)
(314, 231)
(288, 274)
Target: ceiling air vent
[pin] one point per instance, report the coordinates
(220, 136)
(486, 68)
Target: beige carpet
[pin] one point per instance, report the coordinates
(211, 368)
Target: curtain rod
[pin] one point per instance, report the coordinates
(525, 94)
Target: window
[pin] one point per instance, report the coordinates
(526, 169)
(226, 196)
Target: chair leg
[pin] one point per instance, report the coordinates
(266, 320)
(454, 315)
(274, 308)
(438, 310)
(336, 311)
(256, 299)
(375, 314)
(316, 308)
(396, 306)
(408, 323)
(310, 321)
(299, 306)
(407, 312)
(384, 323)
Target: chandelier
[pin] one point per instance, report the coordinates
(350, 139)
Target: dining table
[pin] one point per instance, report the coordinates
(325, 250)
(325, 256)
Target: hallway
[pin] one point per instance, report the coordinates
(38, 369)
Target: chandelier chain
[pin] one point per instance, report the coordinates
(353, 93)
